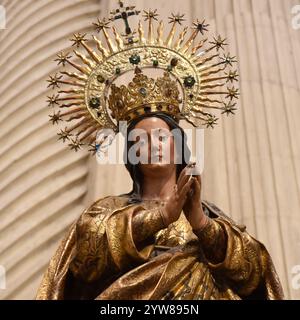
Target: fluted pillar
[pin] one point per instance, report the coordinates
(42, 184)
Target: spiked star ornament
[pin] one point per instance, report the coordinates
(229, 108)
(75, 145)
(93, 148)
(78, 39)
(219, 43)
(53, 100)
(55, 117)
(190, 75)
(211, 121)
(178, 18)
(101, 24)
(53, 81)
(228, 60)
(200, 26)
(232, 76)
(150, 15)
(62, 58)
(232, 93)
(64, 135)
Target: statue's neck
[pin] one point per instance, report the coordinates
(158, 188)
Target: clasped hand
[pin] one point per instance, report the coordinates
(186, 196)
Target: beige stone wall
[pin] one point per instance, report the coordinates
(252, 160)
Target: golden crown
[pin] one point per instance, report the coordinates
(143, 96)
(187, 89)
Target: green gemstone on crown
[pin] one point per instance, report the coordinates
(135, 59)
(94, 102)
(155, 63)
(100, 78)
(189, 81)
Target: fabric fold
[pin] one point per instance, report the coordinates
(120, 251)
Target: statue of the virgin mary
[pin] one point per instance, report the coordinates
(160, 241)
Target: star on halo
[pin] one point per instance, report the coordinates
(200, 26)
(150, 14)
(227, 60)
(55, 117)
(232, 76)
(229, 108)
(232, 93)
(178, 18)
(53, 100)
(93, 148)
(101, 24)
(64, 135)
(75, 144)
(211, 121)
(53, 81)
(219, 43)
(78, 38)
(62, 58)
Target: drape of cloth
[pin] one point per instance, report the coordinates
(118, 251)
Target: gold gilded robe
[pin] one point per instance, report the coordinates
(120, 251)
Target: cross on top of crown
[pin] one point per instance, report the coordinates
(124, 13)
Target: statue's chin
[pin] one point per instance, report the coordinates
(159, 166)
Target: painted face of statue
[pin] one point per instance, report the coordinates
(155, 145)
